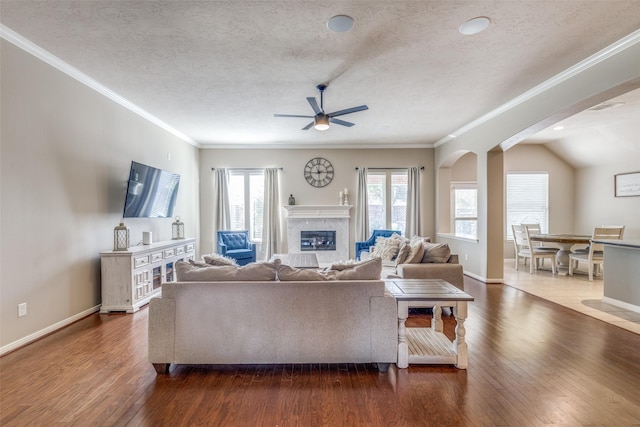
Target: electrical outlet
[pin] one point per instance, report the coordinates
(466, 257)
(22, 309)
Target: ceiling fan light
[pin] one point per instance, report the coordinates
(321, 122)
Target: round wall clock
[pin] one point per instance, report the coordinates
(318, 172)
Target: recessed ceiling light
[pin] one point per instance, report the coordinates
(558, 128)
(340, 23)
(474, 26)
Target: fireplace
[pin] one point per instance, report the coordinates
(317, 240)
(319, 220)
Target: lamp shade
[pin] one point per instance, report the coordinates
(321, 122)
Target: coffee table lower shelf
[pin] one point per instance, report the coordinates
(429, 347)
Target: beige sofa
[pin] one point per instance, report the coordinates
(416, 258)
(450, 271)
(272, 321)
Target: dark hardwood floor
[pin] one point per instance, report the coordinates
(531, 363)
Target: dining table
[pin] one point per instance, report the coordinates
(565, 242)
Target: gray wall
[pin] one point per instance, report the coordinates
(65, 157)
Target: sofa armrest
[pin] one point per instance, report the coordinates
(161, 332)
(452, 273)
(384, 329)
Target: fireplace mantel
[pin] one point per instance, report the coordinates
(317, 211)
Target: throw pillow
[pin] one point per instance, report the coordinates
(387, 247)
(436, 252)
(364, 270)
(339, 266)
(286, 273)
(217, 259)
(416, 253)
(198, 264)
(403, 252)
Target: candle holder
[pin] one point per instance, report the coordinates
(177, 229)
(121, 237)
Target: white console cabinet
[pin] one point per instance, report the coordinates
(131, 278)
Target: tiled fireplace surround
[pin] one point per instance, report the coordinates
(319, 218)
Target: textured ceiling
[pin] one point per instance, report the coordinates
(217, 71)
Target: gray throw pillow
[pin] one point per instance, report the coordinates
(436, 252)
(416, 253)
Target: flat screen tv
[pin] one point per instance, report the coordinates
(151, 192)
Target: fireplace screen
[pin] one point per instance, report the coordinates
(317, 240)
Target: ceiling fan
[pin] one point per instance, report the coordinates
(321, 119)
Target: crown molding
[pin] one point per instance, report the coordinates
(593, 60)
(50, 59)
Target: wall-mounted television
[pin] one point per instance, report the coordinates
(151, 192)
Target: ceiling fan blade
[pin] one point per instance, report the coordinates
(314, 104)
(292, 115)
(341, 122)
(309, 126)
(348, 111)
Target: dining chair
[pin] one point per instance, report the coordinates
(539, 253)
(534, 228)
(520, 245)
(594, 258)
(523, 249)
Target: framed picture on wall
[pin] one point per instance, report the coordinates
(627, 184)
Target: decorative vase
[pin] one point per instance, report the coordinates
(121, 237)
(177, 229)
(292, 200)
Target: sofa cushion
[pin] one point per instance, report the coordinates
(436, 252)
(217, 259)
(258, 271)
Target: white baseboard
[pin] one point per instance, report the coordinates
(46, 331)
(483, 279)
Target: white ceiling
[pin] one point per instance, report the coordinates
(217, 71)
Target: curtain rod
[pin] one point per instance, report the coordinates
(421, 168)
(248, 169)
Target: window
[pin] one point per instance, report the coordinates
(387, 196)
(246, 202)
(527, 200)
(464, 197)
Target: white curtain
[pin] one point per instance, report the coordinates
(271, 214)
(362, 207)
(412, 227)
(221, 213)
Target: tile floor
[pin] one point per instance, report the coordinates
(575, 292)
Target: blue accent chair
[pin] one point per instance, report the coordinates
(236, 245)
(364, 246)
